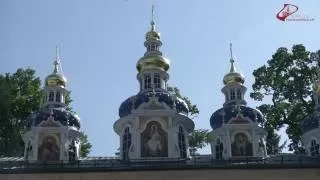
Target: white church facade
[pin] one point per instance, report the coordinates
(154, 124)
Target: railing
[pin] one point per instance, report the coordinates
(196, 162)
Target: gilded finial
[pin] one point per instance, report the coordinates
(232, 69)
(152, 19)
(56, 61)
(233, 75)
(56, 78)
(231, 55)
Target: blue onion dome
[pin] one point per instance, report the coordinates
(225, 114)
(65, 117)
(311, 122)
(136, 101)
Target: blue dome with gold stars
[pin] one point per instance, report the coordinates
(225, 114)
(65, 117)
(169, 99)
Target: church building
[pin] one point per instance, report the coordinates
(154, 127)
(154, 123)
(238, 130)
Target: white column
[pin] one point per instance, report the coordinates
(254, 143)
(228, 144)
(170, 138)
(120, 150)
(62, 148)
(213, 143)
(35, 146)
(186, 137)
(137, 138)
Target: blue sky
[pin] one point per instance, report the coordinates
(101, 41)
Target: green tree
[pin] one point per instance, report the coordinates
(20, 95)
(85, 147)
(199, 138)
(193, 109)
(287, 80)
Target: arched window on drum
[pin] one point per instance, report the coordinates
(182, 143)
(58, 97)
(51, 96)
(126, 143)
(314, 148)
(219, 149)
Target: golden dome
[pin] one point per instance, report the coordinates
(233, 76)
(153, 61)
(152, 34)
(153, 58)
(55, 79)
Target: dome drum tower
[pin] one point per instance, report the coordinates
(237, 129)
(311, 124)
(53, 132)
(153, 124)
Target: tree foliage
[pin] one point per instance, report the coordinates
(193, 109)
(20, 95)
(287, 80)
(199, 137)
(85, 145)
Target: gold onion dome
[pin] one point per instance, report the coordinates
(56, 78)
(233, 76)
(153, 61)
(152, 34)
(153, 58)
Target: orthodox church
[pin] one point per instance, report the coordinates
(237, 128)
(154, 124)
(53, 131)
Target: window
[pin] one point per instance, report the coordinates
(58, 97)
(182, 143)
(239, 94)
(62, 98)
(126, 143)
(314, 149)
(147, 81)
(153, 47)
(140, 81)
(219, 149)
(227, 97)
(51, 96)
(156, 81)
(232, 95)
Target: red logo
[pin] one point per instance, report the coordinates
(286, 11)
